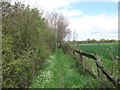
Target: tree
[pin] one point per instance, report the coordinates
(88, 40)
(60, 24)
(74, 35)
(93, 41)
(102, 40)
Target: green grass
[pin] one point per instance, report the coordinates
(60, 71)
(107, 53)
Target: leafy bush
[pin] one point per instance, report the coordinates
(27, 42)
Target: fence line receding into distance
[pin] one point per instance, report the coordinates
(97, 70)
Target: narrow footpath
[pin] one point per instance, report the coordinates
(60, 71)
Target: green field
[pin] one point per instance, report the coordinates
(108, 53)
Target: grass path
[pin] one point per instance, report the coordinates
(60, 71)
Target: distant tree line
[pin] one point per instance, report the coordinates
(94, 41)
(28, 39)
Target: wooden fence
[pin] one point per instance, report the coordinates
(83, 58)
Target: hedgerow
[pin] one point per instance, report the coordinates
(26, 43)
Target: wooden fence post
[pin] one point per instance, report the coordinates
(75, 59)
(98, 70)
(73, 54)
(118, 84)
(81, 59)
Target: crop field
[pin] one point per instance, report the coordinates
(107, 52)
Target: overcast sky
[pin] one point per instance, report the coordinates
(94, 19)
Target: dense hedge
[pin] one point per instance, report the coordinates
(26, 41)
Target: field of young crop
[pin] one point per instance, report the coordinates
(108, 54)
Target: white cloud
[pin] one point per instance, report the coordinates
(100, 26)
(70, 13)
(53, 4)
(75, 13)
(99, 0)
(48, 4)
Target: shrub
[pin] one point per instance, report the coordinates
(26, 44)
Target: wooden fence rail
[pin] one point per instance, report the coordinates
(100, 66)
(96, 58)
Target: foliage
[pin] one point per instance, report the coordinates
(27, 41)
(93, 41)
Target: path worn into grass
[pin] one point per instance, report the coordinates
(60, 71)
